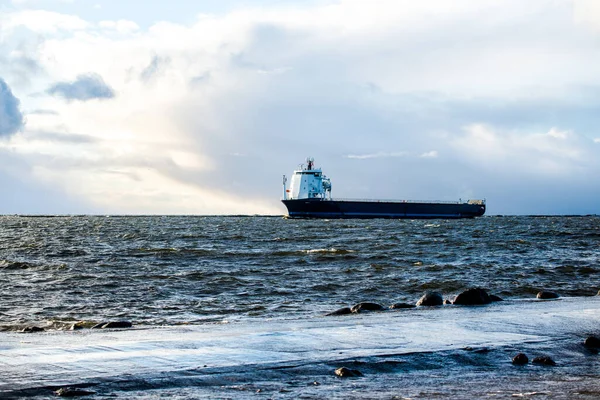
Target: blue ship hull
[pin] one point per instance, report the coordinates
(323, 208)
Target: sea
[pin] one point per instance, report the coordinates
(206, 271)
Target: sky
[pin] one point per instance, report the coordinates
(200, 107)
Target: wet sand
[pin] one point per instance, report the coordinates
(442, 352)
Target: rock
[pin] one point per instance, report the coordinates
(493, 297)
(543, 360)
(598, 294)
(341, 311)
(76, 326)
(448, 302)
(32, 329)
(473, 297)
(72, 392)
(520, 359)
(113, 324)
(360, 307)
(347, 372)
(118, 324)
(431, 299)
(397, 306)
(544, 295)
(592, 342)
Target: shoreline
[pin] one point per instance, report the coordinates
(409, 353)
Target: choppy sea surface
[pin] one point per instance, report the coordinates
(175, 270)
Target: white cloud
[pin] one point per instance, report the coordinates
(121, 26)
(377, 155)
(41, 22)
(554, 153)
(430, 154)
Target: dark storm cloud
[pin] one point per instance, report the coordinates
(11, 118)
(85, 87)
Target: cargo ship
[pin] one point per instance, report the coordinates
(309, 196)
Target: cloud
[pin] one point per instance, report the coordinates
(377, 155)
(429, 154)
(506, 93)
(42, 112)
(156, 67)
(121, 26)
(544, 154)
(11, 118)
(42, 22)
(84, 88)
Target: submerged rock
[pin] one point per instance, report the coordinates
(592, 342)
(543, 360)
(72, 392)
(397, 306)
(520, 359)
(545, 295)
(347, 372)
(473, 297)
(341, 311)
(32, 329)
(360, 307)
(431, 299)
(493, 297)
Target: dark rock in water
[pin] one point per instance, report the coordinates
(397, 306)
(76, 326)
(118, 324)
(543, 360)
(113, 324)
(72, 392)
(547, 295)
(347, 372)
(520, 359)
(32, 329)
(431, 299)
(341, 311)
(360, 307)
(493, 297)
(592, 342)
(473, 297)
(448, 302)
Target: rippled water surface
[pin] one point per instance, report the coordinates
(174, 270)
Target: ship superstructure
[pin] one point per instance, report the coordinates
(307, 182)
